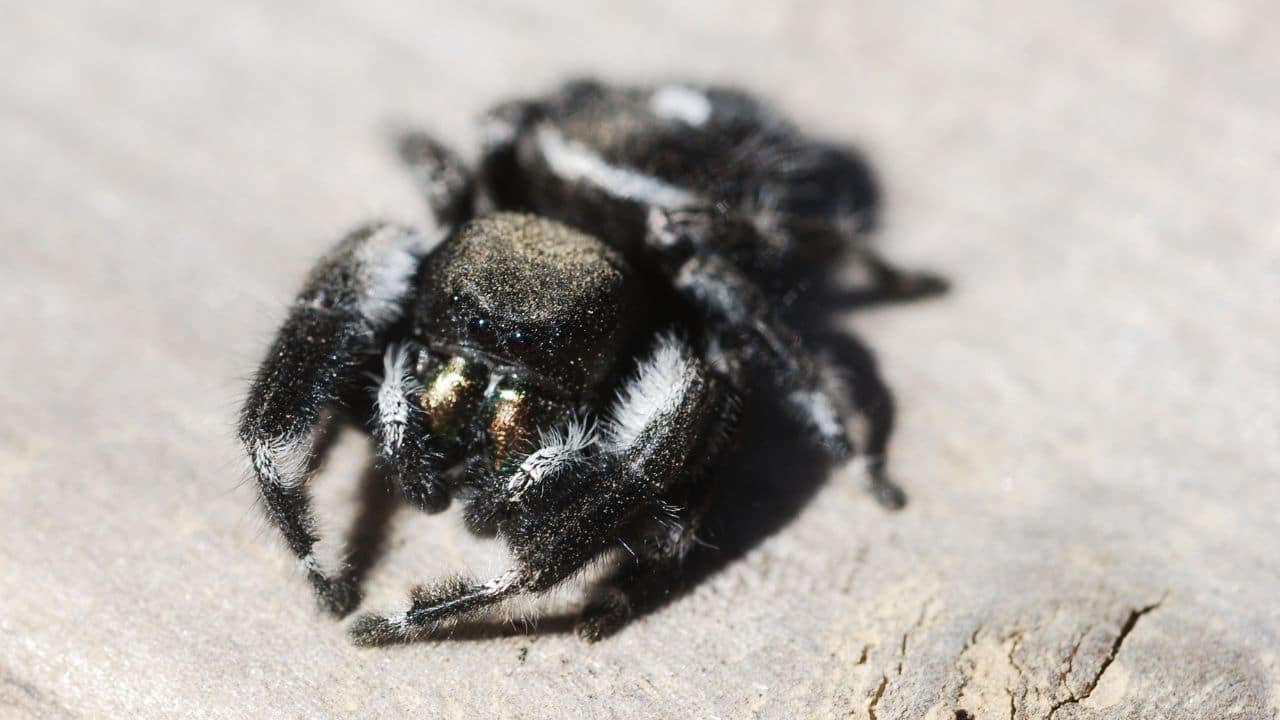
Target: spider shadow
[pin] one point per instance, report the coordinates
(370, 532)
(366, 537)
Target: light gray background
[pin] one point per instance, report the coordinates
(1087, 425)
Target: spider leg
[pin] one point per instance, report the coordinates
(725, 294)
(613, 601)
(435, 607)
(354, 294)
(659, 544)
(893, 284)
(501, 179)
(739, 307)
(445, 181)
(660, 540)
(400, 428)
(670, 422)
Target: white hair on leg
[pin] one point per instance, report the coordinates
(496, 132)
(816, 407)
(282, 461)
(826, 405)
(386, 262)
(682, 103)
(659, 385)
(436, 607)
(503, 583)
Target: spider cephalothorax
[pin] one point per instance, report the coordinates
(570, 375)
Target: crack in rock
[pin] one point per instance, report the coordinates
(1012, 672)
(1125, 630)
(965, 675)
(875, 699)
(902, 654)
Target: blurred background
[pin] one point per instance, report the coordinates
(1086, 425)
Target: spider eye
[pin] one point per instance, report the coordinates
(519, 341)
(481, 330)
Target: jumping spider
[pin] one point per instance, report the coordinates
(567, 360)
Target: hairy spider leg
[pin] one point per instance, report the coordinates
(730, 300)
(354, 295)
(660, 538)
(444, 180)
(896, 284)
(501, 179)
(434, 607)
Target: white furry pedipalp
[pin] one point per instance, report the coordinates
(558, 451)
(394, 407)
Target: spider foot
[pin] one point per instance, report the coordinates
(337, 596)
(888, 493)
(604, 616)
(915, 285)
(372, 630)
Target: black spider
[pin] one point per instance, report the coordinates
(567, 361)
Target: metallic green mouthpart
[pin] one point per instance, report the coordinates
(451, 394)
(514, 417)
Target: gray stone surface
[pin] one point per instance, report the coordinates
(1087, 425)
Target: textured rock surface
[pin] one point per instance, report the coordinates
(1087, 425)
